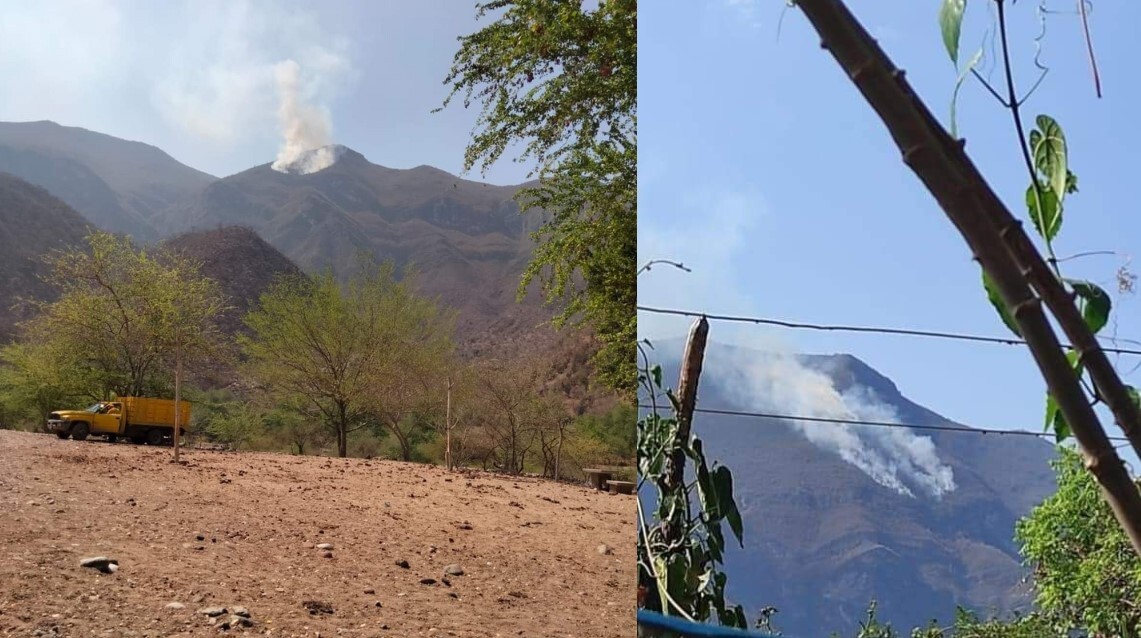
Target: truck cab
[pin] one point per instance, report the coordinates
(103, 418)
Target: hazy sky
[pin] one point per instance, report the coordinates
(763, 169)
(196, 78)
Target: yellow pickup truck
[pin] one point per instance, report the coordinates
(139, 419)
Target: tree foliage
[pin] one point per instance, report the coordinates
(343, 352)
(513, 411)
(114, 327)
(559, 81)
(1086, 574)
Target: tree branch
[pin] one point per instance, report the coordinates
(999, 244)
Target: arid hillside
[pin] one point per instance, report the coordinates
(33, 223)
(233, 531)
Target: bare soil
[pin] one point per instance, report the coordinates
(227, 529)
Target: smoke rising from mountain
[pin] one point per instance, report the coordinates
(733, 225)
(305, 127)
(893, 457)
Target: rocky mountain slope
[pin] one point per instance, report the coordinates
(243, 264)
(822, 538)
(33, 223)
(117, 185)
(466, 240)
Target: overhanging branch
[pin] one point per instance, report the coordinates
(1000, 245)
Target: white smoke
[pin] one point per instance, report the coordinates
(893, 457)
(720, 251)
(305, 127)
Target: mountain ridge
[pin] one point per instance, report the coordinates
(823, 539)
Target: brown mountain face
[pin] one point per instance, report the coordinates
(33, 223)
(465, 240)
(242, 263)
(822, 539)
(117, 185)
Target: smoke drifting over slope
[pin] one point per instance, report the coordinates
(305, 127)
(893, 457)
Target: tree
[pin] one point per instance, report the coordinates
(185, 307)
(102, 328)
(1086, 574)
(411, 396)
(513, 412)
(561, 81)
(339, 350)
(37, 377)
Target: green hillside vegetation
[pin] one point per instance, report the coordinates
(364, 368)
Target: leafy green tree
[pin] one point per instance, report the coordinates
(334, 350)
(36, 377)
(103, 325)
(411, 397)
(558, 81)
(1086, 574)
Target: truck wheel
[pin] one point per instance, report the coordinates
(154, 437)
(111, 438)
(79, 431)
(63, 435)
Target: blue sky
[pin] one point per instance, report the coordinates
(764, 170)
(196, 78)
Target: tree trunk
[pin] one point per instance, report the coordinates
(559, 451)
(342, 431)
(177, 400)
(448, 429)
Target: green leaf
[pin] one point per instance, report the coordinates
(1071, 183)
(1049, 150)
(1048, 220)
(656, 372)
(1054, 418)
(951, 24)
(723, 481)
(1096, 304)
(996, 301)
(958, 85)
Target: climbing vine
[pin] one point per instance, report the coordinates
(681, 551)
(1045, 153)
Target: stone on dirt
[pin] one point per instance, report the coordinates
(212, 611)
(454, 570)
(101, 563)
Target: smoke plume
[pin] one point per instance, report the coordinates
(305, 127)
(893, 457)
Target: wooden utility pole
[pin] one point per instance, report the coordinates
(691, 363)
(177, 399)
(448, 428)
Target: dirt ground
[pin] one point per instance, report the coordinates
(227, 529)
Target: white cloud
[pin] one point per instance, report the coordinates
(711, 232)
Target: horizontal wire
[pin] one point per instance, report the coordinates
(881, 424)
(864, 329)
